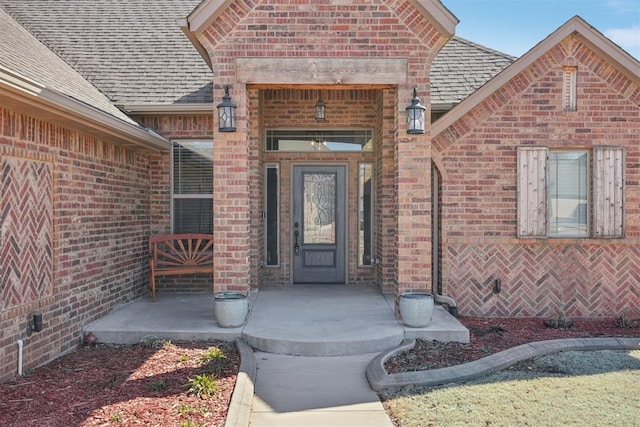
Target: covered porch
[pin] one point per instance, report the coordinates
(307, 320)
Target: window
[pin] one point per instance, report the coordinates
(569, 89)
(554, 197)
(365, 214)
(272, 217)
(567, 194)
(319, 140)
(192, 195)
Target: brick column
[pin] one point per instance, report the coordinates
(231, 210)
(413, 181)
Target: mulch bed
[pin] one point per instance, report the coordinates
(144, 384)
(490, 336)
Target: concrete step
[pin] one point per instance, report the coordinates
(308, 320)
(313, 320)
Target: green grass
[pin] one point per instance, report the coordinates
(573, 388)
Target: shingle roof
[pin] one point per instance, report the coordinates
(23, 54)
(132, 50)
(135, 53)
(461, 67)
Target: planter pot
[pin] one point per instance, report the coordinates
(230, 309)
(416, 309)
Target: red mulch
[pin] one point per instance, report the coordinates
(145, 384)
(121, 385)
(490, 336)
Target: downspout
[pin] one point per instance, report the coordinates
(437, 297)
(20, 345)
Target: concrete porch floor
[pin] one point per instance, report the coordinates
(305, 320)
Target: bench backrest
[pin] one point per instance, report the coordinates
(182, 251)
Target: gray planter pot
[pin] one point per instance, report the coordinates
(230, 309)
(416, 309)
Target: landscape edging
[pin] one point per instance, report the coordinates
(242, 398)
(379, 379)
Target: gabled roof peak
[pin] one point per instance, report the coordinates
(433, 10)
(575, 26)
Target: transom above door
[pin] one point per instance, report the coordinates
(318, 224)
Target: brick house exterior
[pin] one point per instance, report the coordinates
(84, 183)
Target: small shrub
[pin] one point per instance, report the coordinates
(154, 342)
(203, 385)
(159, 385)
(214, 359)
(624, 321)
(213, 354)
(183, 358)
(115, 418)
(186, 409)
(561, 321)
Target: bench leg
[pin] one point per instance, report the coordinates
(153, 287)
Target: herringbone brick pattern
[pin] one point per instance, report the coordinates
(543, 280)
(26, 249)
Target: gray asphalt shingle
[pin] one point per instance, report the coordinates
(461, 67)
(132, 50)
(23, 54)
(135, 53)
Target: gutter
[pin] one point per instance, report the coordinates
(35, 99)
(200, 108)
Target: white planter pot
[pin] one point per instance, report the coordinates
(230, 309)
(416, 309)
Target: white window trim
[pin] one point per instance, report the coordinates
(590, 173)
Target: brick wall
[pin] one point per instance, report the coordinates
(326, 29)
(75, 218)
(197, 126)
(477, 159)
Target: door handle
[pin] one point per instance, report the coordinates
(296, 246)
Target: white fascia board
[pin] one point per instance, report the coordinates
(183, 23)
(438, 15)
(31, 93)
(201, 108)
(575, 26)
(205, 13)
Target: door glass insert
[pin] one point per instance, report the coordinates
(319, 209)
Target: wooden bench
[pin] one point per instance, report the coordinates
(175, 254)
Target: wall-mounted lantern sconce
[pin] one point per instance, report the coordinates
(226, 113)
(34, 325)
(415, 115)
(321, 110)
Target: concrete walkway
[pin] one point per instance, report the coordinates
(314, 391)
(313, 344)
